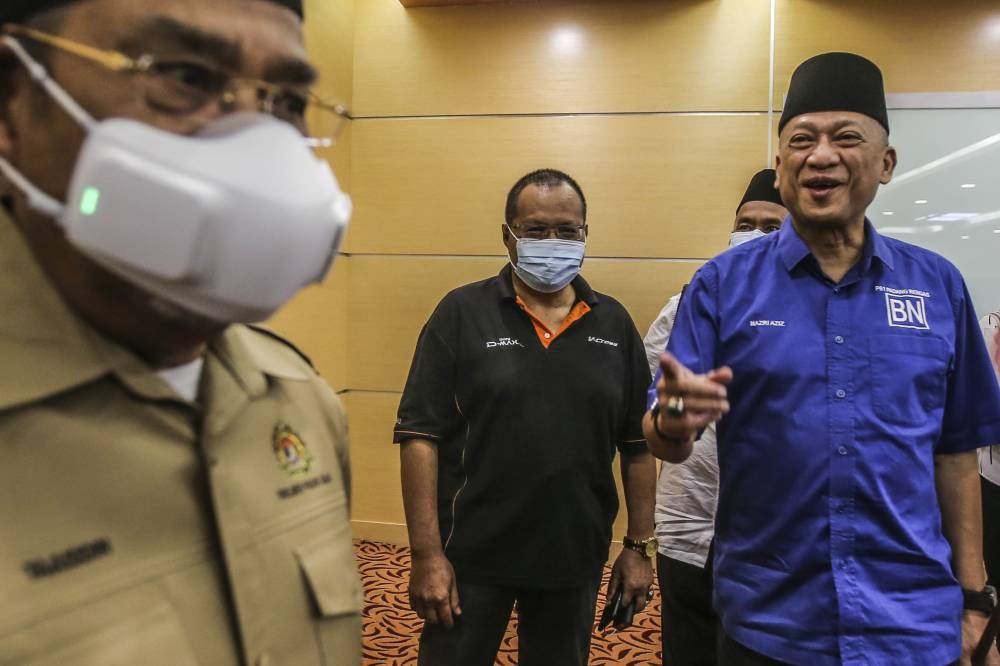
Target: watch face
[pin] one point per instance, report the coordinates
(651, 548)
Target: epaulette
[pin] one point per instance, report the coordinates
(288, 343)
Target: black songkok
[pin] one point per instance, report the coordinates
(17, 11)
(836, 82)
(761, 188)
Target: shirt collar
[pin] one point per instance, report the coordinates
(46, 349)
(793, 249)
(505, 287)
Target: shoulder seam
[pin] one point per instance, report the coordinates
(263, 330)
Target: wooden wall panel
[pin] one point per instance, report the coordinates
(377, 497)
(627, 55)
(656, 186)
(316, 321)
(329, 32)
(392, 297)
(920, 46)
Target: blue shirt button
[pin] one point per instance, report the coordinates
(843, 564)
(842, 450)
(839, 339)
(841, 393)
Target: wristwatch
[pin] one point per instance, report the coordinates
(984, 601)
(645, 547)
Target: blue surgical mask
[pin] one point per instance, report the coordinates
(548, 265)
(740, 237)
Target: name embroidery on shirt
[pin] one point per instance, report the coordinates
(601, 341)
(776, 323)
(70, 558)
(503, 342)
(905, 308)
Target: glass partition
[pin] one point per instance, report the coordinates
(945, 195)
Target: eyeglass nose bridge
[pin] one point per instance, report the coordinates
(243, 94)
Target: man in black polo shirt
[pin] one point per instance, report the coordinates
(522, 388)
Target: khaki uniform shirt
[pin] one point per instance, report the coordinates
(137, 528)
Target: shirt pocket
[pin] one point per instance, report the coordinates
(909, 377)
(331, 574)
(135, 627)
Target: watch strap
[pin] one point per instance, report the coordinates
(984, 600)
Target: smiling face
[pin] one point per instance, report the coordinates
(830, 165)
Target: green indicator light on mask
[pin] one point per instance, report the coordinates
(89, 200)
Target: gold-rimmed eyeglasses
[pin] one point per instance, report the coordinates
(184, 86)
(544, 231)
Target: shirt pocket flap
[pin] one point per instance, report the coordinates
(331, 573)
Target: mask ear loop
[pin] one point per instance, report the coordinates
(41, 76)
(38, 200)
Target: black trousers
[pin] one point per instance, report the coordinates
(553, 626)
(689, 624)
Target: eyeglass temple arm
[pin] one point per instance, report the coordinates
(41, 76)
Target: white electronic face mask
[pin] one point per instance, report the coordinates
(740, 237)
(229, 223)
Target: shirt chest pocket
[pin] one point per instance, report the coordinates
(909, 375)
(138, 626)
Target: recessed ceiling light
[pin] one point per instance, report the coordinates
(567, 40)
(965, 238)
(996, 231)
(887, 212)
(920, 201)
(968, 186)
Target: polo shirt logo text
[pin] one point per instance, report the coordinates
(601, 341)
(906, 311)
(503, 342)
(776, 323)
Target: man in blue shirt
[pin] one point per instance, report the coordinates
(853, 389)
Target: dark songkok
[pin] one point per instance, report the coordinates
(761, 188)
(16, 11)
(836, 82)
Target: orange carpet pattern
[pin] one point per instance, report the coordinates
(391, 629)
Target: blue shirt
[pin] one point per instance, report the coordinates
(828, 533)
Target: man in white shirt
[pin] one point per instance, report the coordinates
(686, 493)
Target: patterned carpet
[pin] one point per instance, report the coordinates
(391, 629)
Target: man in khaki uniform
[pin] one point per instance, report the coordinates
(174, 487)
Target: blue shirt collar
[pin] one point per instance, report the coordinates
(794, 250)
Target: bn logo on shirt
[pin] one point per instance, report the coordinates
(906, 311)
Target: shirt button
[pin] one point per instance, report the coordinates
(548, 335)
(839, 339)
(842, 564)
(842, 450)
(841, 393)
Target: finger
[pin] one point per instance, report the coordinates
(456, 609)
(443, 610)
(430, 614)
(418, 607)
(670, 366)
(698, 404)
(722, 375)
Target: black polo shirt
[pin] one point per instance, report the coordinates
(526, 435)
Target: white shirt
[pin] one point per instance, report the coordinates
(989, 457)
(686, 494)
